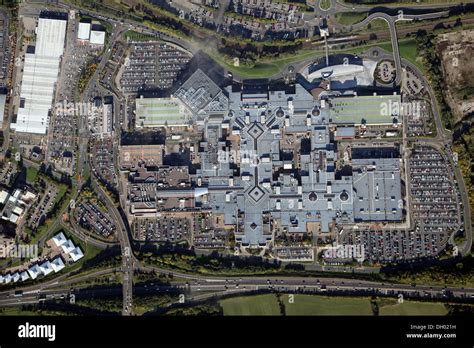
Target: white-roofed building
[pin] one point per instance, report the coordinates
(16, 277)
(46, 268)
(68, 246)
(57, 264)
(84, 30)
(59, 239)
(24, 276)
(28, 196)
(3, 196)
(1, 278)
(50, 36)
(34, 271)
(40, 74)
(18, 210)
(97, 37)
(12, 199)
(7, 279)
(76, 254)
(14, 218)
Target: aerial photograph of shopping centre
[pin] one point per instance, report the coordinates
(236, 158)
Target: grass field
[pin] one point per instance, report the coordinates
(414, 308)
(316, 305)
(322, 305)
(408, 50)
(31, 174)
(136, 36)
(251, 305)
(349, 18)
(377, 24)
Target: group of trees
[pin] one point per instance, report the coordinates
(179, 257)
(427, 49)
(448, 272)
(249, 53)
(464, 146)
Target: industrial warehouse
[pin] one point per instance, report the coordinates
(42, 63)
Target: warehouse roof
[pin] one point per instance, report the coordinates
(84, 30)
(40, 74)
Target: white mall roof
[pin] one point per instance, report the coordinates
(76, 254)
(7, 279)
(97, 37)
(336, 71)
(16, 277)
(59, 239)
(40, 74)
(57, 264)
(1, 278)
(84, 31)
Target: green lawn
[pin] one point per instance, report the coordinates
(31, 174)
(408, 50)
(251, 305)
(323, 305)
(414, 308)
(326, 305)
(137, 36)
(349, 18)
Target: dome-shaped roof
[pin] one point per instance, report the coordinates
(344, 196)
(280, 112)
(313, 196)
(316, 112)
